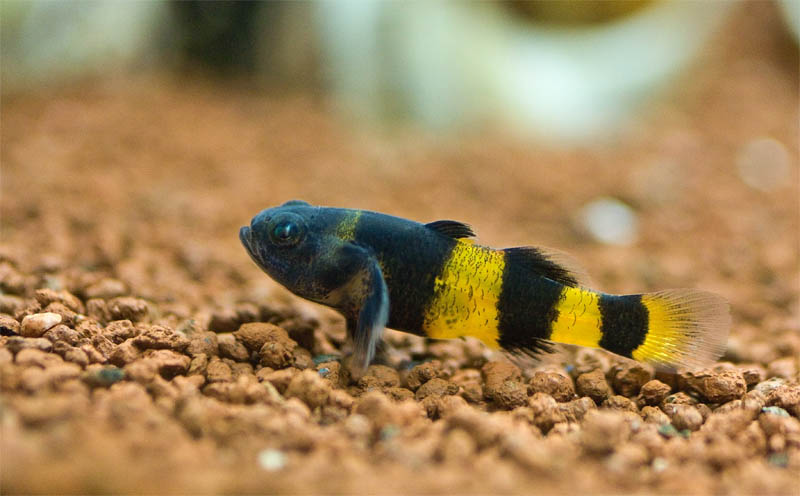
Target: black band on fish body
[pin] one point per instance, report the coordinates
(624, 323)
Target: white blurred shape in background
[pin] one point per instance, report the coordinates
(610, 221)
(791, 14)
(464, 64)
(764, 164)
(52, 41)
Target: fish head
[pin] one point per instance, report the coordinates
(292, 245)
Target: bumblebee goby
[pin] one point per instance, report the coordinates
(433, 280)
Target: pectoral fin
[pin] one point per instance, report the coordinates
(372, 316)
(362, 297)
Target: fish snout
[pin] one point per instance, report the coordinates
(244, 235)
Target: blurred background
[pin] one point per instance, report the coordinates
(592, 122)
(656, 141)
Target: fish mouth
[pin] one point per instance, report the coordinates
(244, 236)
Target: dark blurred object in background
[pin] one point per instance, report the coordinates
(220, 34)
(272, 42)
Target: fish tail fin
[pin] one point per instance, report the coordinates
(669, 329)
(686, 328)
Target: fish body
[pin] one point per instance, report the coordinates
(433, 280)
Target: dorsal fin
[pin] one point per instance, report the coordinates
(549, 263)
(451, 228)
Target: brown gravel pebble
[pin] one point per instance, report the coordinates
(496, 374)
(124, 353)
(93, 354)
(229, 347)
(594, 385)
(684, 417)
(203, 342)
(436, 387)
(8, 325)
(218, 371)
(618, 402)
(783, 367)
(422, 373)
(472, 391)
(17, 343)
(106, 289)
(11, 280)
(545, 411)
(302, 359)
(510, 395)
(39, 358)
(378, 408)
(281, 378)
(276, 352)
(786, 397)
(224, 320)
(766, 387)
(47, 296)
(576, 409)
(335, 373)
(653, 392)
(10, 304)
(559, 386)
(160, 337)
(98, 310)
(399, 394)
(309, 387)
(168, 363)
(381, 375)
(127, 308)
(77, 356)
(63, 334)
(679, 398)
(603, 431)
(628, 378)
(654, 415)
(718, 387)
(120, 330)
(254, 335)
(753, 374)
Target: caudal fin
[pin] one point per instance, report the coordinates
(677, 328)
(686, 328)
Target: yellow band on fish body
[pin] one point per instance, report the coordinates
(579, 320)
(346, 230)
(465, 295)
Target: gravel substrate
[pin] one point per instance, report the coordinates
(141, 351)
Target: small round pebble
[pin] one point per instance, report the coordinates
(35, 325)
(594, 385)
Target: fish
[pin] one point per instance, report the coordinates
(434, 280)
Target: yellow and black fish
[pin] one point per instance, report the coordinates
(430, 280)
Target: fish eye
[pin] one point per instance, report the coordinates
(286, 232)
